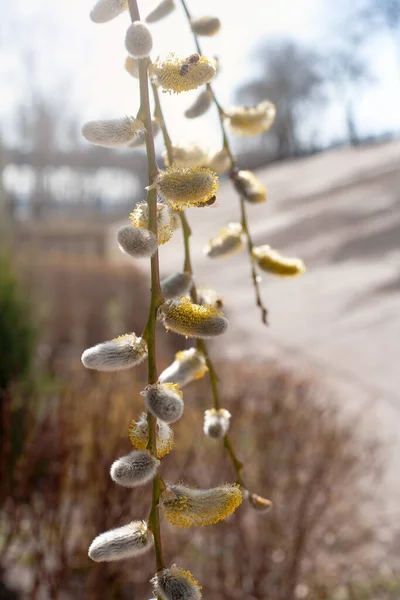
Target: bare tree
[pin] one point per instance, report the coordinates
(291, 76)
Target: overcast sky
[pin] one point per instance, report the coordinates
(79, 64)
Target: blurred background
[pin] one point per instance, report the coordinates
(314, 397)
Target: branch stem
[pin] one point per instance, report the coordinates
(227, 147)
(156, 294)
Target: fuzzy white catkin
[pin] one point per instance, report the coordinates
(176, 285)
(216, 422)
(176, 584)
(205, 25)
(138, 40)
(140, 139)
(164, 401)
(106, 10)
(161, 10)
(137, 468)
(123, 542)
(136, 242)
(200, 106)
(188, 365)
(116, 355)
(112, 133)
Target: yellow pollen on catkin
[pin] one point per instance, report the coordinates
(174, 387)
(245, 121)
(172, 76)
(183, 187)
(140, 218)
(139, 436)
(272, 261)
(186, 507)
(182, 356)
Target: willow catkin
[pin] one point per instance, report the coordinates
(249, 186)
(112, 133)
(260, 504)
(173, 76)
(207, 26)
(140, 218)
(209, 297)
(182, 187)
(273, 262)
(138, 40)
(189, 365)
(160, 11)
(229, 240)
(176, 285)
(136, 242)
(139, 435)
(140, 139)
(220, 161)
(201, 105)
(192, 320)
(106, 10)
(183, 506)
(191, 156)
(176, 584)
(124, 352)
(245, 121)
(216, 422)
(164, 401)
(123, 542)
(137, 468)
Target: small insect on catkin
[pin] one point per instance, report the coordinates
(216, 422)
(200, 106)
(186, 507)
(176, 285)
(123, 542)
(205, 25)
(138, 40)
(139, 435)
(188, 366)
(164, 401)
(106, 10)
(245, 121)
(249, 186)
(161, 10)
(137, 468)
(140, 218)
(138, 243)
(272, 261)
(229, 240)
(182, 187)
(124, 352)
(192, 320)
(112, 133)
(176, 584)
(176, 75)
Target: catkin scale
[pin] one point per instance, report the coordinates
(167, 74)
(123, 542)
(176, 285)
(138, 40)
(201, 105)
(106, 10)
(192, 320)
(112, 133)
(176, 584)
(137, 468)
(188, 366)
(137, 242)
(186, 507)
(207, 26)
(124, 352)
(161, 10)
(164, 401)
(229, 240)
(272, 261)
(182, 187)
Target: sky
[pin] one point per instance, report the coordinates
(55, 48)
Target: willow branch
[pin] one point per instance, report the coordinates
(227, 147)
(201, 345)
(156, 295)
